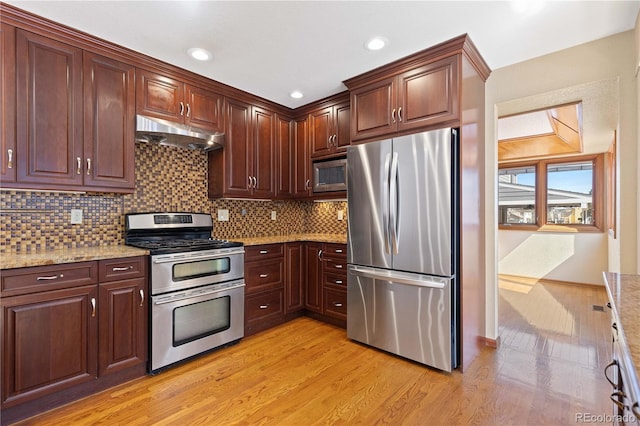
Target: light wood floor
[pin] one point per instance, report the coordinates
(547, 370)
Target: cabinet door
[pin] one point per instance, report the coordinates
(295, 277)
(264, 172)
(342, 126)
(320, 131)
(123, 325)
(7, 103)
(109, 112)
(371, 110)
(204, 109)
(238, 153)
(49, 342)
(302, 182)
(285, 161)
(429, 95)
(313, 263)
(159, 96)
(48, 111)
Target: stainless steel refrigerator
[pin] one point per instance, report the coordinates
(402, 294)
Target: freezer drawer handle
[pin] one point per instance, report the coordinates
(396, 278)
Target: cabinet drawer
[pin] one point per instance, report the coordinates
(122, 268)
(337, 266)
(264, 306)
(263, 275)
(336, 280)
(335, 303)
(267, 251)
(334, 250)
(51, 277)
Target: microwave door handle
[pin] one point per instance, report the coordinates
(385, 204)
(394, 200)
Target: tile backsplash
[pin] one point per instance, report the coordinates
(167, 179)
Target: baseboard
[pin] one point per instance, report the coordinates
(492, 343)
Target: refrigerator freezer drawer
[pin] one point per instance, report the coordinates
(406, 314)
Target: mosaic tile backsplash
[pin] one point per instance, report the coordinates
(167, 179)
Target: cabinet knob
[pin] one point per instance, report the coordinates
(338, 266)
(264, 251)
(88, 166)
(338, 250)
(49, 277)
(264, 275)
(338, 281)
(264, 306)
(141, 297)
(181, 108)
(188, 110)
(93, 307)
(337, 305)
(400, 114)
(10, 162)
(306, 184)
(393, 115)
(79, 165)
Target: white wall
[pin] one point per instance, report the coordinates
(568, 73)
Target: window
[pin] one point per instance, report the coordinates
(552, 194)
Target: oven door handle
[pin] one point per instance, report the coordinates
(191, 295)
(203, 257)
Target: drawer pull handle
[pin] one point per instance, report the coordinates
(119, 269)
(339, 266)
(337, 305)
(141, 297)
(618, 403)
(264, 251)
(606, 376)
(264, 306)
(49, 278)
(264, 275)
(10, 163)
(338, 250)
(338, 281)
(93, 307)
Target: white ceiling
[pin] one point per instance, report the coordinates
(270, 48)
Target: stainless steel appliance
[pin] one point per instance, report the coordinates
(330, 175)
(196, 285)
(402, 292)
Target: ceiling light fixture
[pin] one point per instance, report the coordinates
(199, 54)
(376, 43)
(296, 94)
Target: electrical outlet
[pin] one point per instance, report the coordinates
(76, 216)
(223, 215)
(273, 215)
(340, 214)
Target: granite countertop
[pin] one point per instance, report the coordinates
(275, 239)
(624, 294)
(69, 255)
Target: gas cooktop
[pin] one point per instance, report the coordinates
(163, 233)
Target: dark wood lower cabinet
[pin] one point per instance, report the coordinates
(263, 310)
(49, 343)
(313, 266)
(73, 335)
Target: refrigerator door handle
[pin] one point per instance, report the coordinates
(394, 198)
(385, 204)
(398, 277)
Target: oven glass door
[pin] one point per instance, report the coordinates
(181, 271)
(201, 319)
(187, 323)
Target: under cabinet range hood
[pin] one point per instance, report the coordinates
(163, 132)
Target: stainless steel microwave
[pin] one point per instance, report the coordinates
(330, 175)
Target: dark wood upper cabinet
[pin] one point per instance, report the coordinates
(285, 157)
(7, 103)
(109, 112)
(329, 130)
(245, 168)
(171, 99)
(301, 166)
(49, 111)
(422, 97)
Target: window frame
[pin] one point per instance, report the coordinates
(541, 208)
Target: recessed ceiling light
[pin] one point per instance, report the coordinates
(199, 54)
(296, 94)
(376, 43)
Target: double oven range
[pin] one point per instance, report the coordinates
(196, 285)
